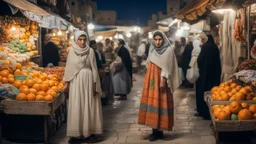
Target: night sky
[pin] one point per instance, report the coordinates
(139, 10)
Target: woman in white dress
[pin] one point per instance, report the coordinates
(82, 81)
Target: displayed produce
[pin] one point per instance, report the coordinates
(19, 34)
(249, 64)
(229, 91)
(59, 38)
(33, 85)
(234, 111)
(59, 71)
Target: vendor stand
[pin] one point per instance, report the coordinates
(232, 104)
(32, 103)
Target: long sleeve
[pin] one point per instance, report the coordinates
(94, 67)
(165, 74)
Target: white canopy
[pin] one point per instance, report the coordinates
(45, 19)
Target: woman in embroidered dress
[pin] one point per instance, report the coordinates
(162, 78)
(82, 81)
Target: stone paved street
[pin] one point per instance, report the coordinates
(120, 122)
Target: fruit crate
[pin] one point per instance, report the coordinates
(228, 125)
(208, 99)
(31, 107)
(40, 115)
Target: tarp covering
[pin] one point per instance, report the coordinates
(46, 19)
(197, 8)
(28, 6)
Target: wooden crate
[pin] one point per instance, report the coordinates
(32, 107)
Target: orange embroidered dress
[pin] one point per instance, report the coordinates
(156, 108)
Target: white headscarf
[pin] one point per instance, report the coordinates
(76, 57)
(166, 60)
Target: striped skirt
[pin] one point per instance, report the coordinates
(156, 108)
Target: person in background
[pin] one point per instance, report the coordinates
(161, 80)
(100, 48)
(185, 59)
(147, 49)
(178, 51)
(122, 73)
(50, 52)
(109, 51)
(140, 54)
(82, 81)
(93, 45)
(209, 73)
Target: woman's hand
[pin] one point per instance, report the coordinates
(162, 84)
(65, 89)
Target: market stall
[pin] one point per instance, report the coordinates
(31, 100)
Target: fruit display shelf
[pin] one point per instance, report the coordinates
(228, 125)
(43, 118)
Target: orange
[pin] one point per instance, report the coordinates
(46, 83)
(18, 72)
(17, 83)
(233, 85)
(5, 73)
(39, 81)
(4, 80)
(44, 88)
(30, 82)
(55, 88)
(21, 97)
(244, 91)
(48, 98)
(39, 98)
(37, 87)
(238, 87)
(41, 93)
(22, 87)
(11, 80)
(25, 90)
(18, 66)
(42, 77)
(33, 91)
(10, 76)
(31, 97)
(52, 93)
(51, 83)
(227, 89)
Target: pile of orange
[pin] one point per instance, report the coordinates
(231, 91)
(243, 111)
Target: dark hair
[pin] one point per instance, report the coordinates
(92, 42)
(183, 38)
(158, 34)
(120, 41)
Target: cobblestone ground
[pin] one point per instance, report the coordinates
(120, 122)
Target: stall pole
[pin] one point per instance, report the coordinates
(248, 9)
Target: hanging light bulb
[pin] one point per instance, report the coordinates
(150, 35)
(59, 33)
(91, 26)
(13, 28)
(54, 34)
(128, 35)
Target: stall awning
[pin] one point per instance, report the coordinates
(197, 8)
(46, 19)
(28, 6)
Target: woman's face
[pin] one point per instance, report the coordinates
(119, 45)
(158, 41)
(81, 41)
